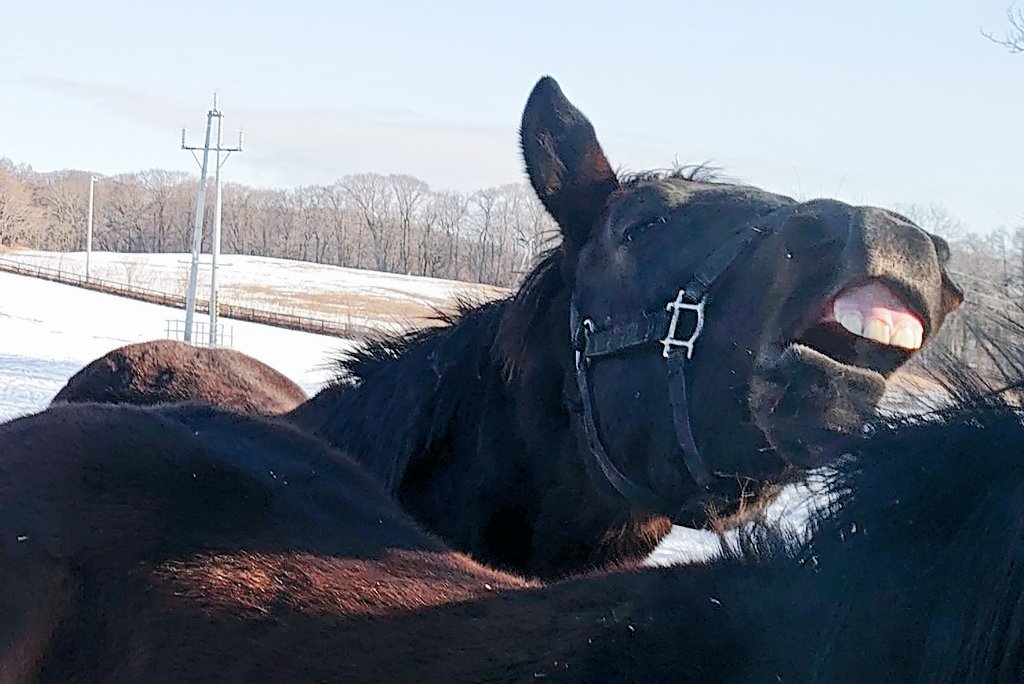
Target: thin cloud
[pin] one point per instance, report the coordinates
(129, 104)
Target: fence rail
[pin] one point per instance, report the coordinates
(321, 326)
(174, 329)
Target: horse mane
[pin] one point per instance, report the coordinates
(694, 173)
(426, 380)
(932, 503)
(515, 320)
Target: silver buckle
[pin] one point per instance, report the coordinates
(588, 326)
(676, 307)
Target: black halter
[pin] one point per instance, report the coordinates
(591, 343)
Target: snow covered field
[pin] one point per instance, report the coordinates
(48, 332)
(372, 298)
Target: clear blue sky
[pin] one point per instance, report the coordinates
(875, 102)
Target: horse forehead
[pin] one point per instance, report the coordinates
(652, 196)
(669, 195)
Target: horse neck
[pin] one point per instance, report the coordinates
(452, 389)
(406, 393)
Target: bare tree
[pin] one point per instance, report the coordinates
(282, 224)
(1013, 39)
(444, 219)
(370, 197)
(311, 204)
(18, 214)
(340, 217)
(504, 264)
(166, 194)
(484, 204)
(245, 224)
(125, 216)
(504, 243)
(1016, 239)
(937, 219)
(408, 193)
(534, 228)
(62, 199)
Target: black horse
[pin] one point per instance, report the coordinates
(685, 343)
(183, 543)
(913, 572)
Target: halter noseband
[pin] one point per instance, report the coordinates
(590, 342)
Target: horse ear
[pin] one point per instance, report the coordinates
(567, 168)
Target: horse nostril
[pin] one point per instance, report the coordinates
(952, 295)
(941, 248)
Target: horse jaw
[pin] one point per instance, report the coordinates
(801, 398)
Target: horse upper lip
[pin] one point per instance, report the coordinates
(878, 327)
(874, 311)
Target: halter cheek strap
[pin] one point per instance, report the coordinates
(591, 343)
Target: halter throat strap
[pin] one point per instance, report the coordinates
(591, 343)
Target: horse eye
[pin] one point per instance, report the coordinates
(634, 229)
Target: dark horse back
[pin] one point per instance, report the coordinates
(154, 544)
(167, 371)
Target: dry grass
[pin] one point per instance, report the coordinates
(349, 305)
(295, 288)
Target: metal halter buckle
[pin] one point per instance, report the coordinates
(677, 306)
(586, 327)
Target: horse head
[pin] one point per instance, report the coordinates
(708, 317)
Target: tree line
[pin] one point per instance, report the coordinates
(393, 223)
(397, 223)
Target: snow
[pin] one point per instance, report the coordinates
(795, 504)
(49, 331)
(162, 271)
(386, 301)
(793, 508)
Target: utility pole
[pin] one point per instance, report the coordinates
(197, 236)
(215, 250)
(88, 229)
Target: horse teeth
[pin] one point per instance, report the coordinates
(906, 338)
(853, 322)
(877, 330)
